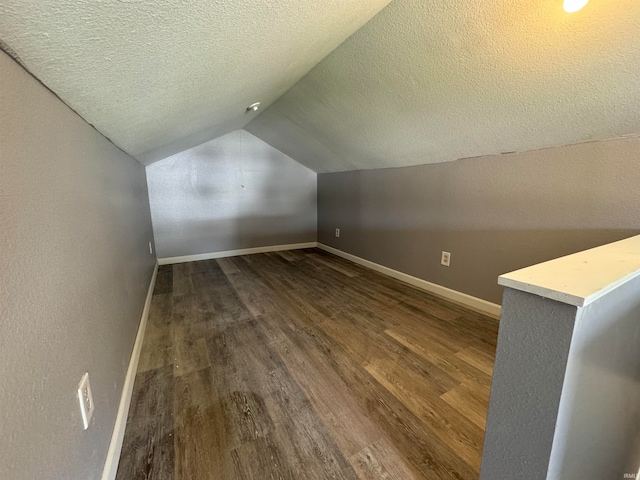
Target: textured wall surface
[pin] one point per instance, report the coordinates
(230, 193)
(431, 81)
(494, 214)
(531, 358)
(157, 77)
(75, 268)
(598, 433)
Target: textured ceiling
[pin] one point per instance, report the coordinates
(157, 77)
(432, 81)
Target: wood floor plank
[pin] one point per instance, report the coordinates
(301, 364)
(380, 461)
(347, 421)
(339, 410)
(201, 439)
(438, 331)
(441, 356)
(228, 266)
(262, 459)
(452, 428)
(182, 281)
(424, 451)
(470, 399)
(337, 266)
(249, 372)
(164, 280)
(148, 445)
(201, 445)
(157, 345)
(189, 353)
(289, 255)
(478, 359)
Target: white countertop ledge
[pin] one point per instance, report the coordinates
(581, 278)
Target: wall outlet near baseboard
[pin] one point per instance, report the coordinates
(86, 400)
(337, 232)
(445, 259)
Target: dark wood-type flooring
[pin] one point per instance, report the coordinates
(301, 365)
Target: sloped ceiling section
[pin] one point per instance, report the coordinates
(433, 81)
(158, 77)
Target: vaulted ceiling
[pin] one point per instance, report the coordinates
(423, 81)
(433, 81)
(160, 76)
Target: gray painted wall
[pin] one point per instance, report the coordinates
(494, 214)
(534, 331)
(576, 414)
(230, 193)
(598, 432)
(75, 265)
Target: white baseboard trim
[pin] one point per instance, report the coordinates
(453, 295)
(234, 253)
(115, 447)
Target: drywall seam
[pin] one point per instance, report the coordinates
(234, 253)
(451, 295)
(115, 447)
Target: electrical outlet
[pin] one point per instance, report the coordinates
(150, 249)
(86, 400)
(445, 259)
(337, 232)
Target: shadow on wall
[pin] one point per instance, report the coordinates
(598, 433)
(477, 257)
(206, 236)
(232, 193)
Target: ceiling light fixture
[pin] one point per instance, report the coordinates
(253, 107)
(571, 6)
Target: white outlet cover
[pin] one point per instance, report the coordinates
(86, 400)
(337, 232)
(445, 259)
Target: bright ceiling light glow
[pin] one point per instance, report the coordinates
(571, 6)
